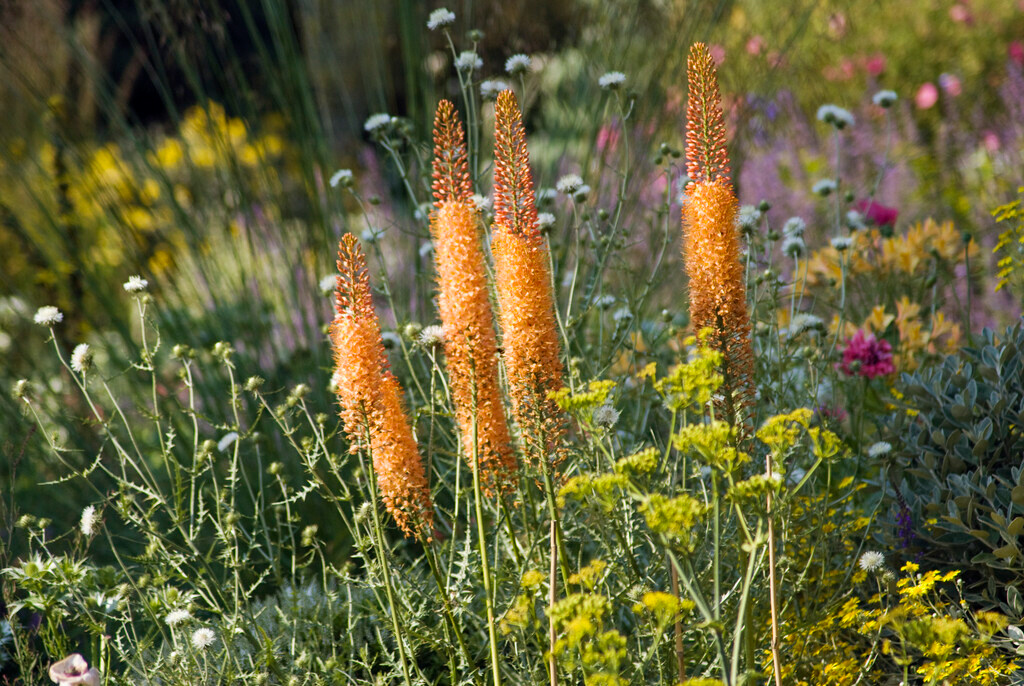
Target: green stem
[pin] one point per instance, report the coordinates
(488, 592)
(383, 553)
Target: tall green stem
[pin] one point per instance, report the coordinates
(383, 553)
(492, 634)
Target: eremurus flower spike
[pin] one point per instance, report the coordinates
(514, 207)
(370, 397)
(451, 168)
(527, 312)
(706, 156)
(470, 344)
(718, 297)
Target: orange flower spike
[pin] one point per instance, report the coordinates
(451, 168)
(470, 344)
(370, 397)
(711, 245)
(523, 279)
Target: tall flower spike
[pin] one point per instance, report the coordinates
(514, 207)
(370, 397)
(711, 246)
(706, 156)
(451, 169)
(527, 311)
(470, 344)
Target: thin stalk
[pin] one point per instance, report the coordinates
(383, 556)
(680, 655)
(492, 633)
(773, 594)
(552, 594)
(443, 592)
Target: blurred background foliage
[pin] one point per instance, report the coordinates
(191, 142)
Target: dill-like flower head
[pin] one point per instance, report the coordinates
(370, 396)
(523, 280)
(711, 242)
(470, 343)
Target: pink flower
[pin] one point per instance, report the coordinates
(875, 64)
(74, 670)
(991, 141)
(950, 83)
(717, 53)
(877, 214)
(960, 14)
(927, 95)
(755, 45)
(1016, 51)
(866, 356)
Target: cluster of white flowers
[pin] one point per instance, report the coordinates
(468, 61)
(793, 246)
(328, 283)
(794, 226)
(226, 440)
(490, 88)
(748, 217)
(835, 115)
(81, 358)
(432, 335)
(481, 203)
(854, 220)
(793, 237)
(569, 184)
(605, 416)
(824, 188)
(439, 18)
(885, 98)
(518, 64)
(872, 561)
(48, 316)
(136, 284)
(545, 220)
(805, 322)
(622, 315)
(842, 243)
(879, 449)
(87, 525)
(612, 80)
(203, 638)
(377, 121)
(176, 617)
(342, 177)
(605, 301)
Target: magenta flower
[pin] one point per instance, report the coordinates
(866, 356)
(1015, 51)
(877, 214)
